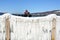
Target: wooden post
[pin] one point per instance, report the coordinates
(53, 29)
(7, 29)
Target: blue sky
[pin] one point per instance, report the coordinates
(19, 6)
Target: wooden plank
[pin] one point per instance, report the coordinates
(53, 29)
(7, 29)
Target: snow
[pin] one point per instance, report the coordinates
(29, 28)
(2, 28)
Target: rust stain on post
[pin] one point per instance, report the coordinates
(53, 29)
(7, 29)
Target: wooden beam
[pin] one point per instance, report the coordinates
(53, 29)
(7, 29)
